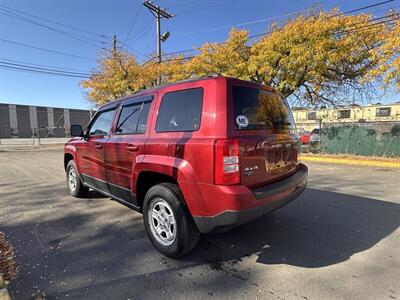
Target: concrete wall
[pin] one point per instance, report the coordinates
(5, 130)
(23, 120)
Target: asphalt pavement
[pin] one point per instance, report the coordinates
(339, 240)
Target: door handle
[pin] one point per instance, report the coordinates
(99, 146)
(132, 148)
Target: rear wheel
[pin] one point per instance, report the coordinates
(75, 186)
(169, 226)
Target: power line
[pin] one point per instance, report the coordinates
(178, 59)
(363, 8)
(18, 67)
(244, 23)
(268, 32)
(389, 21)
(138, 53)
(114, 47)
(385, 9)
(133, 23)
(55, 22)
(194, 10)
(271, 31)
(44, 49)
(42, 72)
(62, 32)
(48, 69)
(179, 52)
(145, 30)
(148, 43)
(182, 3)
(40, 65)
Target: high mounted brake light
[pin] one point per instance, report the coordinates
(226, 169)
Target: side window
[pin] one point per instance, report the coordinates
(102, 124)
(141, 127)
(311, 115)
(133, 118)
(344, 114)
(180, 111)
(383, 111)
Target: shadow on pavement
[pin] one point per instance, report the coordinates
(77, 255)
(319, 229)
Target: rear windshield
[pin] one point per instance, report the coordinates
(260, 109)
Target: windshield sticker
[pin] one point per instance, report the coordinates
(242, 121)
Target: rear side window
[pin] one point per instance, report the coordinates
(180, 111)
(133, 118)
(141, 127)
(259, 109)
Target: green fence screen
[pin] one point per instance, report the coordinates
(376, 139)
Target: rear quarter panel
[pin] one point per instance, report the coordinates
(189, 156)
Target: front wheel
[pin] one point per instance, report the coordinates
(75, 186)
(168, 224)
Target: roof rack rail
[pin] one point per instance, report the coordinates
(213, 75)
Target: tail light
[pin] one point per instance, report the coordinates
(227, 154)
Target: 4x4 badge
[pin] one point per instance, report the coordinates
(248, 171)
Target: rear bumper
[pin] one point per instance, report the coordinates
(268, 199)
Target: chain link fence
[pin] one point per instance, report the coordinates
(36, 125)
(380, 139)
(38, 136)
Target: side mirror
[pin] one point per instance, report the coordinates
(76, 130)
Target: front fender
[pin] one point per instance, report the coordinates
(71, 149)
(177, 168)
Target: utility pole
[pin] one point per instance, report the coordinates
(114, 43)
(158, 13)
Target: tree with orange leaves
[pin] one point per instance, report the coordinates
(316, 58)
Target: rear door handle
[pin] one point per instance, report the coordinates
(99, 146)
(132, 148)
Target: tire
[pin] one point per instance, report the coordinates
(171, 239)
(75, 185)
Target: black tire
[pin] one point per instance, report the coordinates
(187, 234)
(80, 190)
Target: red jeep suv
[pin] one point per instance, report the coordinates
(194, 156)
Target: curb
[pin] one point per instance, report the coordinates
(4, 295)
(351, 161)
